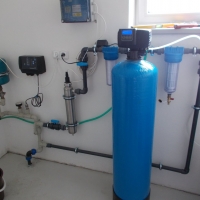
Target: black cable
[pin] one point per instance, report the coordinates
(111, 44)
(66, 61)
(37, 100)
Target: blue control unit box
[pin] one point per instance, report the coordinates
(73, 11)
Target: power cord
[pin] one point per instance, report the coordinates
(63, 55)
(38, 99)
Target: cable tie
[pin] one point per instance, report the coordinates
(160, 166)
(194, 50)
(94, 49)
(76, 150)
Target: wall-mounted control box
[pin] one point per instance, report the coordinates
(32, 65)
(73, 11)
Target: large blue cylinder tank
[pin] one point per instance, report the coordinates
(134, 85)
(4, 76)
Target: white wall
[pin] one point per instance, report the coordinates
(173, 123)
(3, 139)
(34, 27)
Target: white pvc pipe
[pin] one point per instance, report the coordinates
(176, 41)
(4, 186)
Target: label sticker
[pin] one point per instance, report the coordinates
(77, 14)
(68, 9)
(76, 8)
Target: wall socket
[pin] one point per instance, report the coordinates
(57, 54)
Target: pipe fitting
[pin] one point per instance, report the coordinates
(29, 156)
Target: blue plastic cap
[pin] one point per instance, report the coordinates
(33, 151)
(82, 64)
(55, 121)
(110, 53)
(174, 54)
(28, 158)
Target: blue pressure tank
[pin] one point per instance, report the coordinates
(134, 86)
(4, 76)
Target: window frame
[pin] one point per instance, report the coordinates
(142, 17)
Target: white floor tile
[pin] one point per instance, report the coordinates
(53, 181)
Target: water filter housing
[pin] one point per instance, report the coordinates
(173, 56)
(4, 74)
(111, 55)
(134, 86)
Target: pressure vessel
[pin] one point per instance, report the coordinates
(134, 85)
(4, 76)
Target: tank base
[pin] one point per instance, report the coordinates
(115, 197)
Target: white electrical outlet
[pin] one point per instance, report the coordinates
(66, 53)
(57, 54)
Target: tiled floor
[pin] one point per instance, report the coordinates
(53, 181)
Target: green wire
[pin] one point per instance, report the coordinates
(95, 118)
(30, 122)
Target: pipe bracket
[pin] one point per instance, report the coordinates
(69, 98)
(160, 166)
(72, 125)
(196, 108)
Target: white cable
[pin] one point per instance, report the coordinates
(4, 185)
(104, 23)
(176, 41)
(96, 7)
(52, 77)
(92, 68)
(11, 70)
(72, 71)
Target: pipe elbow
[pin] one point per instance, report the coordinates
(186, 171)
(29, 155)
(83, 91)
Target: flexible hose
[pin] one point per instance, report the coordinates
(14, 117)
(4, 185)
(95, 118)
(176, 41)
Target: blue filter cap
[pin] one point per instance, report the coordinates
(110, 53)
(174, 54)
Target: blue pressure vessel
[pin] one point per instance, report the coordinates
(4, 76)
(134, 86)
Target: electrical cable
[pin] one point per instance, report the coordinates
(92, 67)
(43, 86)
(111, 45)
(95, 118)
(176, 41)
(68, 62)
(97, 8)
(80, 79)
(19, 118)
(11, 70)
(104, 24)
(38, 99)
